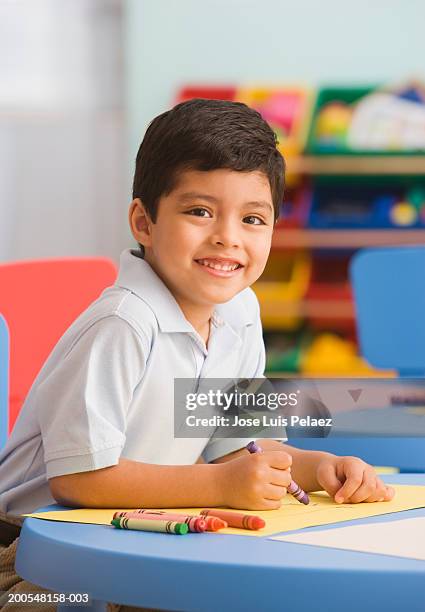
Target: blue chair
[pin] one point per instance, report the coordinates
(389, 295)
(4, 381)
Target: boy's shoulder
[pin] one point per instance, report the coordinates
(118, 303)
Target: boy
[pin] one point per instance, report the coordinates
(97, 426)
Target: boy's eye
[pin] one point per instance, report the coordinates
(205, 213)
(199, 212)
(253, 220)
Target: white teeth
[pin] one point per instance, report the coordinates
(217, 266)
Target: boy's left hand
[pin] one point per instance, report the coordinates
(350, 480)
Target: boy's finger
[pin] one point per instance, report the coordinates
(273, 492)
(389, 493)
(367, 492)
(328, 479)
(278, 459)
(381, 493)
(381, 490)
(280, 478)
(270, 504)
(354, 479)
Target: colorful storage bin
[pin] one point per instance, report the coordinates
(364, 205)
(281, 288)
(367, 121)
(208, 91)
(287, 110)
(329, 283)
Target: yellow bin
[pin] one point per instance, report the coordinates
(281, 288)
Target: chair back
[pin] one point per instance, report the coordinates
(40, 299)
(4, 381)
(389, 295)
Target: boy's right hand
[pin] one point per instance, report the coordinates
(256, 481)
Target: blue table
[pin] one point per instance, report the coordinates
(211, 573)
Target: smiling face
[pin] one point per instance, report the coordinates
(211, 238)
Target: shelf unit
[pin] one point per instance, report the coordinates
(288, 238)
(373, 165)
(329, 309)
(306, 275)
(337, 313)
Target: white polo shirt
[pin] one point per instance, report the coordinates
(107, 389)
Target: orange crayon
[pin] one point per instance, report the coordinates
(214, 523)
(236, 519)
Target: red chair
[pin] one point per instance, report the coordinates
(39, 300)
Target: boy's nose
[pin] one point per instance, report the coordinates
(226, 234)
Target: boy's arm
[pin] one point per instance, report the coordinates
(254, 482)
(163, 486)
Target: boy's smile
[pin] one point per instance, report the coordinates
(220, 267)
(211, 238)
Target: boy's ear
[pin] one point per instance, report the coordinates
(140, 222)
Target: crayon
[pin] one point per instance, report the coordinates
(214, 523)
(293, 488)
(195, 523)
(147, 525)
(236, 519)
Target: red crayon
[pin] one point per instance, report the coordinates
(236, 519)
(194, 523)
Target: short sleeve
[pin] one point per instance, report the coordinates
(219, 447)
(82, 405)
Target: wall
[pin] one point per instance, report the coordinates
(65, 161)
(243, 41)
(62, 147)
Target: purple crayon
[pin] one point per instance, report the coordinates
(293, 488)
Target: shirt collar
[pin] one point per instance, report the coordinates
(136, 275)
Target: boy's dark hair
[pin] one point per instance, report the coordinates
(205, 135)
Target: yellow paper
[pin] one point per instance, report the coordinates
(292, 515)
